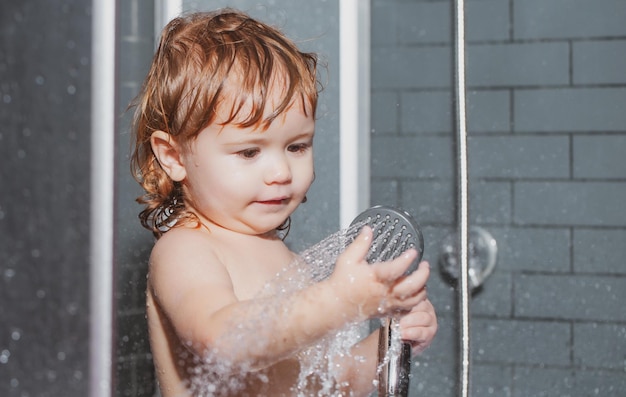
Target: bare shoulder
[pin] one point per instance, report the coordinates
(185, 246)
(185, 265)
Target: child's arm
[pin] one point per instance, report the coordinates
(194, 291)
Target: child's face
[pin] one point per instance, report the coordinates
(249, 180)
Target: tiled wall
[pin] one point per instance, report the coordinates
(547, 125)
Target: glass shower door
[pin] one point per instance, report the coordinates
(547, 180)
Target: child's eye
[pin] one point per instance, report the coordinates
(249, 153)
(299, 147)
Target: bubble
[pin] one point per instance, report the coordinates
(4, 356)
(16, 335)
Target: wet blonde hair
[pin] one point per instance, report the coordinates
(186, 86)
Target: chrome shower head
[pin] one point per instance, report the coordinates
(395, 231)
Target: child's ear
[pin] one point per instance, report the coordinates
(168, 153)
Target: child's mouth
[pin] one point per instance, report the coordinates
(278, 201)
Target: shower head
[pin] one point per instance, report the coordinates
(394, 230)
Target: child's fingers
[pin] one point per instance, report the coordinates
(389, 272)
(413, 283)
(419, 326)
(357, 251)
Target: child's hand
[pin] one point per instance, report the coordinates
(376, 290)
(419, 326)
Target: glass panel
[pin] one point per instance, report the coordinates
(546, 88)
(412, 161)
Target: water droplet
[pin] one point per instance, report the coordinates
(4, 356)
(72, 308)
(71, 89)
(9, 274)
(16, 335)
(39, 80)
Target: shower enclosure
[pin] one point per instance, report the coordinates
(546, 93)
(546, 89)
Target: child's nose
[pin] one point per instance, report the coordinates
(279, 171)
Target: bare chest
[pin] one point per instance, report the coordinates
(253, 268)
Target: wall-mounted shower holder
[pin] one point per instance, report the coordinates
(483, 252)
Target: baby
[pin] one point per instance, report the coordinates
(224, 129)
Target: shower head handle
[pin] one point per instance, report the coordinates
(394, 231)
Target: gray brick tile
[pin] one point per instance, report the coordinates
(600, 251)
(494, 11)
(426, 112)
(384, 192)
(570, 203)
(488, 111)
(573, 297)
(410, 67)
(433, 378)
(490, 202)
(600, 156)
(494, 298)
(411, 156)
(565, 19)
(544, 382)
(517, 64)
(429, 201)
(591, 65)
(600, 345)
(536, 342)
(532, 249)
(488, 380)
(423, 22)
(570, 110)
(519, 156)
(599, 383)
